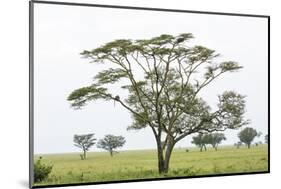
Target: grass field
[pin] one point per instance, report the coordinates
(142, 164)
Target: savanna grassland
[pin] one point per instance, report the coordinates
(142, 164)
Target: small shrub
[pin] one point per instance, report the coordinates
(81, 178)
(41, 171)
(81, 156)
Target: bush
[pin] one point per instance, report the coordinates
(41, 171)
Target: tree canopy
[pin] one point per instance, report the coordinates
(164, 77)
(111, 142)
(247, 135)
(214, 139)
(200, 141)
(85, 142)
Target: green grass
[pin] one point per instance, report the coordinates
(142, 164)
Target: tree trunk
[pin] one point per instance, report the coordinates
(84, 154)
(111, 152)
(248, 145)
(163, 161)
(160, 157)
(168, 156)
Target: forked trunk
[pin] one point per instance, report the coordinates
(168, 156)
(160, 157)
(205, 148)
(84, 154)
(215, 146)
(164, 161)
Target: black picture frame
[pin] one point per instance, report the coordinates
(31, 86)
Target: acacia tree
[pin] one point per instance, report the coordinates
(164, 79)
(247, 135)
(214, 139)
(85, 142)
(199, 141)
(111, 142)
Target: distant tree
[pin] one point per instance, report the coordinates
(214, 139)
(238, 144)
(85, 142)
(247, 135)
(111, 142)
(200, 141)
(266, 139)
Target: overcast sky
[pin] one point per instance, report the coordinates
(62, 32)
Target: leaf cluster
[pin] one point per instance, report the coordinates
(41, 171)
(247, 135)
(111, 142)
(84, 142)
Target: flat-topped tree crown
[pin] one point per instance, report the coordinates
(85, 142)
(111, 142)
(164, 76)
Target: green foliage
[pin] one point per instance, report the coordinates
(247, 135)
(110, 76)
(200, 141)
(81, 96)
(41, 171)
(214, 139)
(85, 142)
(168, 66)
(232, 108)
(111, 142)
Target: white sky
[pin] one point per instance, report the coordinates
(62, 32)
